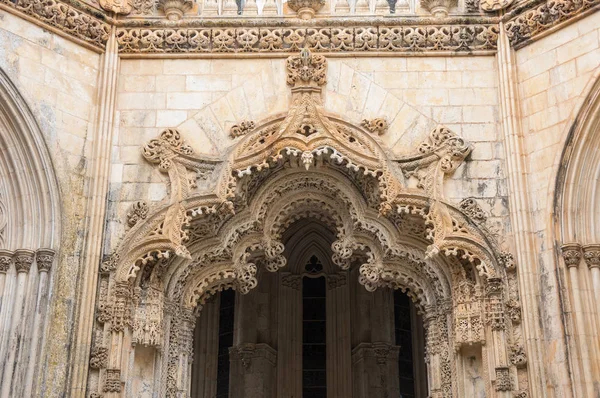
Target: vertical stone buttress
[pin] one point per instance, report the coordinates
(519, 210)
(95, 216)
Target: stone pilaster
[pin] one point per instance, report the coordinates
(253, 371)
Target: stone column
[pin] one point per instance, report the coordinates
(432, 352)
(572, 257)
(375, 370)
(255, 367)
(339, 367)
(496, 318)
(591, 253)
(23, 259)
(44, 260)
(289, 346)
(206, 351)
(6, 276)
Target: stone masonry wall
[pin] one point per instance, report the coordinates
(553, 74)
(58, 80)
(204, 98)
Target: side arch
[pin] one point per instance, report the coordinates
(576, 229)
(30, 209)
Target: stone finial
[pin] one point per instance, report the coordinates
(591, 254)
(44, 259)
(439, 8)
(571, 253)
(306, 71)
(175, 9)
(6, 259)
(23, 259)
(306, 9)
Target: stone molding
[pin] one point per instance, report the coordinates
(253, 36)
(526, 25)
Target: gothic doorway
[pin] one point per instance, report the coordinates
(301, 185)
(310, 330)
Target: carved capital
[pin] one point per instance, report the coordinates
(6, 259)
(591, 254)
(23, 259)
(571, 253)
(292, 281)
(44, 259)
(99, 357)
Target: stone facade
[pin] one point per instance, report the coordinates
(155, 153)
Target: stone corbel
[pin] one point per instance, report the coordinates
(439, 8)
(175, 9)
(439, 155)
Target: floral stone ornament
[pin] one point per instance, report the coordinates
(306, 9)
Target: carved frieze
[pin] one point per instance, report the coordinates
(241, 128)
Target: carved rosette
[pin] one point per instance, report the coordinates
(306, 9)
(571, 253)
(44, 259)
(23, 259)
(591, 254)
(6, 259)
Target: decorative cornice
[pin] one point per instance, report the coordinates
(533, 23)
(63, 19)
(250, 36)
(414, 39)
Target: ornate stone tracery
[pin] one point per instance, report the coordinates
(307, 165)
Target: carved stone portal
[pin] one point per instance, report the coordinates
(225, 220)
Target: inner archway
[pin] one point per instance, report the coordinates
(310, 330)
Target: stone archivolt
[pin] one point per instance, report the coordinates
(307, 164)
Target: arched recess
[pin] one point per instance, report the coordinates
(29, 233)
(576, 220)
(226, 219)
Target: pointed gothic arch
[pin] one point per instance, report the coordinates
(29, 237)
(226, 217)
